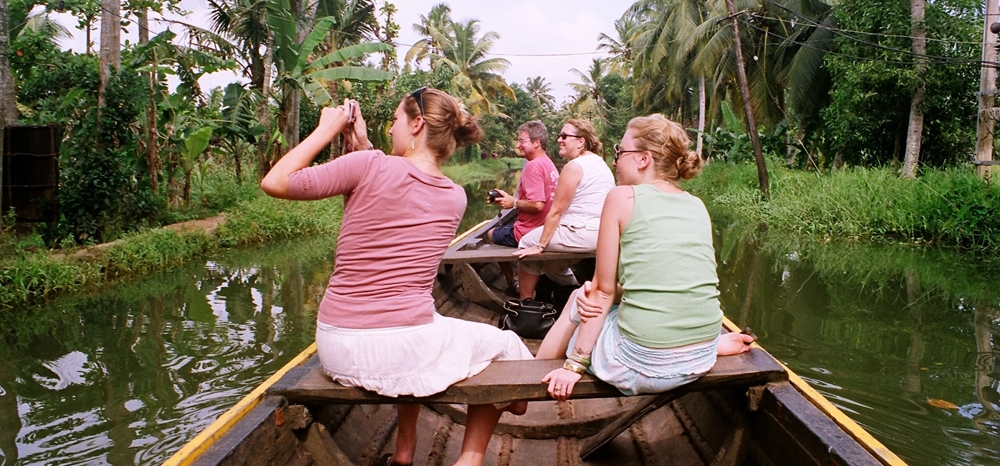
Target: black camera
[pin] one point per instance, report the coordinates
(493, 195)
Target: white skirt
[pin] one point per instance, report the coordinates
(420, 360)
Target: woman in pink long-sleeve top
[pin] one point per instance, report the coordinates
(377, 326)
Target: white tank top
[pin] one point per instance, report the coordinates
(588, 200)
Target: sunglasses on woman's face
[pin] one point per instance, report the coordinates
(567, 135)
(619, 151)
(418, 96)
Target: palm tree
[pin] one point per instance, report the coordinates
(619, 48)
(298, 71)
(436, 23)
(244, 33)
(355, 23)
(540, 91)
(588, 96)
(691, 39)
(476, 77)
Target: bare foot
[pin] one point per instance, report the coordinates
(734, 343)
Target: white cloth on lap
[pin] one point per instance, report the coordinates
(420, 360)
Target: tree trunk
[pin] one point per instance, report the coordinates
(915, 130)
(288, 119)
(187, 187)
(143, 19)
(90, 25)
(111, 52)
(264, 113)
(987, 90)
(741, 76)
(333, 87)
(701, 115)
(152, 133)
(292, 97)
(239, 162)
(8, 103)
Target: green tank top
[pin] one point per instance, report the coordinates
(667, 271)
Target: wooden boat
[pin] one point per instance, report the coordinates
(749, 409)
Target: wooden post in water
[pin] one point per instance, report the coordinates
(741, 76)
(987, 91)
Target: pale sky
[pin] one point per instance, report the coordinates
(557, 34)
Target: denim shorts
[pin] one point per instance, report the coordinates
(504, 235)
(635, 369)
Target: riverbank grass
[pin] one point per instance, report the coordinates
(29, 276)
(481, 170)
(950, 207)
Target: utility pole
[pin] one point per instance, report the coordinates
(741, 76)
(987, 90)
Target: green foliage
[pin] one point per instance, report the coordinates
(153, 250)
(481, 170)
(379, 101)
(951, 207)
(37, 276)
(98, 195)
(616, 92)
(873, 82)
(31, 277)
(265, 219)
(15, 244)
(499, 130)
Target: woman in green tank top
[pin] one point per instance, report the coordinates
(655, 256)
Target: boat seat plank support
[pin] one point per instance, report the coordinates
(494, 253)
(508, 381)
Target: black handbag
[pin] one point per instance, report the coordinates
(528, 318)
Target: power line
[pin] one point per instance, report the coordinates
(848, 31)
(939, 59)
(845, 33)
(932, 58)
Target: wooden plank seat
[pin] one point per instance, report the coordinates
(495, 253)
(507, 381)
(474, 249)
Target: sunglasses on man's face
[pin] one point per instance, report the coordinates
(418, 95)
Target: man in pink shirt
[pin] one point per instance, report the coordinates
(534, 194)
(536, 190)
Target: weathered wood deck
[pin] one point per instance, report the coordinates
(507, 381)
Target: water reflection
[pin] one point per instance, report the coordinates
(128, 375)
(478, 209)
(904, 340)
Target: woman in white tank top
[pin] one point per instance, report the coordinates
(575, 217)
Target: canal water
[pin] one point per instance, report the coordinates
(903, 339)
